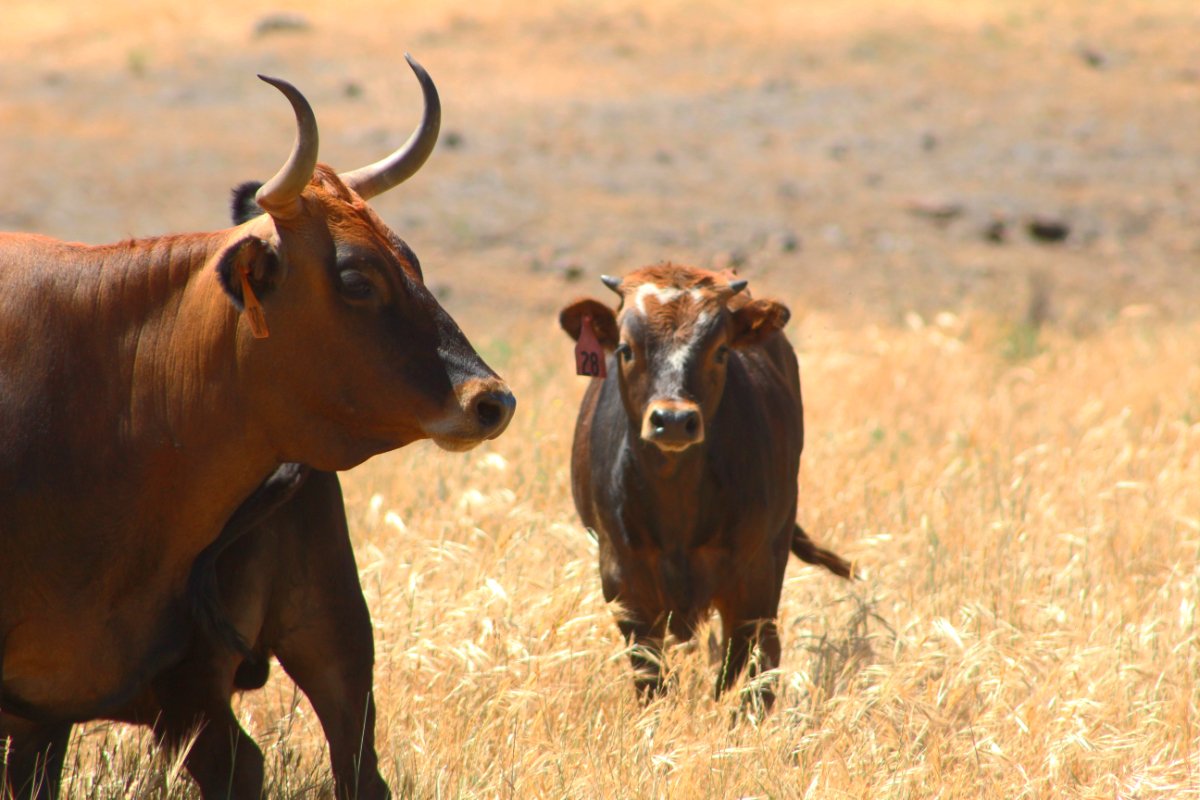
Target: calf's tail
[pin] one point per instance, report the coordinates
(806, 550)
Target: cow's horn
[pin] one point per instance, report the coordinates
(737, 286)
(611, 282)
(375, 179)
(280, 196)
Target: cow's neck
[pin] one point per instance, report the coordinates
(183, 418)
(141, 387)
(674, 487)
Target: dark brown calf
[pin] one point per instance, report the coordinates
(685, 463)
(280, 580)
(290, 588)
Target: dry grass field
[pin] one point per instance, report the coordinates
(1004, 435)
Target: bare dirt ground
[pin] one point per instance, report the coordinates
(852, 155)
(1003, 430)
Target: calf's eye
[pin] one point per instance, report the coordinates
(625, 352)
(722, 354)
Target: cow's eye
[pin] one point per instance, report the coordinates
(722, 354)
(625, 352)
(355, 285)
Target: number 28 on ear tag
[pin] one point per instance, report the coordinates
(589, 355)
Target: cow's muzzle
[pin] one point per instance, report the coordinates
(673, 425)
(481, 409)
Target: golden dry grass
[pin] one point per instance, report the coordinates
(1026, 626)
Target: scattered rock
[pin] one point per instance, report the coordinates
(282, 22)
(1048, 229)
(451, 140)
(1092, 57)
(938, 209)
(352, 90)
(929, 142)
(789, 190)
(996, 231)
(730, 259)
(569, 268)
(783, 242)
(662, 157)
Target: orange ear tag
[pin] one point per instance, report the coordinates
(254, 310)
(589, 355)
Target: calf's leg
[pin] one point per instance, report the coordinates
(646, 655)
(223, 760)
(31, 758)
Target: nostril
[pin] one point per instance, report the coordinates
(658, 419)
(493, 409)
(488, 412)
(692, 424)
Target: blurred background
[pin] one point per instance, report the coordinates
(1039, 160)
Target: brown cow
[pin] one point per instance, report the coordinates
(685, 463)
(284, 580)
(139, 406)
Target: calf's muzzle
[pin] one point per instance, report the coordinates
(672, 425)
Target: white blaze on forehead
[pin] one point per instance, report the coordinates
(673, 363)
(678, 358)
(663, 294)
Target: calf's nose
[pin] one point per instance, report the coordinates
(673, 426)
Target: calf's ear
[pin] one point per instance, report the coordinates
(254, 258)
(758, 319)
(604, 321)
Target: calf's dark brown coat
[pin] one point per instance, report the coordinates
(685, 463)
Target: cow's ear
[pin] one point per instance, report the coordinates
(257, 260)
(758, 319)
(604, 321)
(244, 207)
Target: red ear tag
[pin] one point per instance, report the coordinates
(589, 355)
(254, 310)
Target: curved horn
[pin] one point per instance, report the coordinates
(611, 282)
(280, 196)
(737, 286)
(375, 179)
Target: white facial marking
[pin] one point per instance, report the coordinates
(677, 359)
(663, 294)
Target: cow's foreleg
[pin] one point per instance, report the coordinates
(31, 758)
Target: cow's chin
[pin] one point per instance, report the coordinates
(456, 445)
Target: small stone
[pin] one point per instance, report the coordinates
(996, 231)
(783, 242)
(281, 22)
(1048, 229)
(452, 140)
(352, 89)
(1092, 57)
(938, 209)
(729, 259)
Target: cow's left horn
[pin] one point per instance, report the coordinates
(737, 286)
(280, 196)
(375, 179)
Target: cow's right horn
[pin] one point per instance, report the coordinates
(280, 196)
(375, 179)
